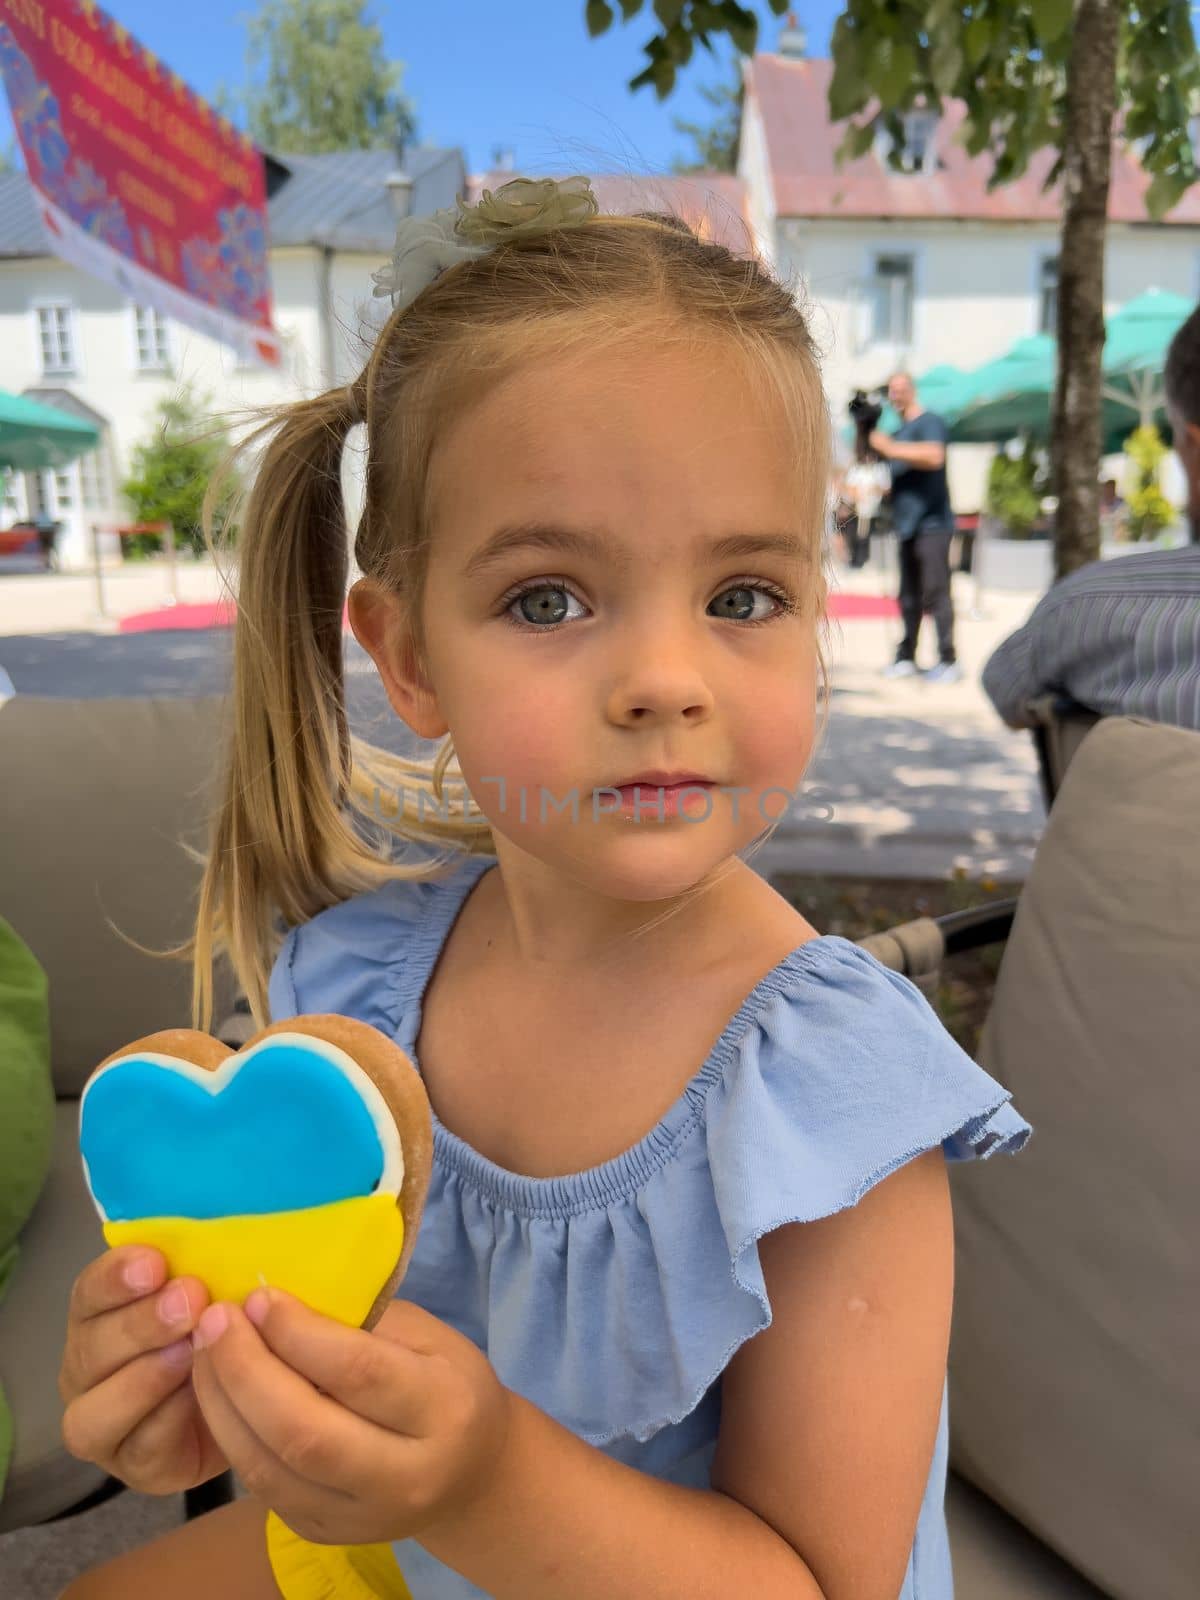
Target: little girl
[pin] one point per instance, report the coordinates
(677, 1318)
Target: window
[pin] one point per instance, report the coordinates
(892, 288)
(919, 126)
(1048, 295)
(55, 339)
(93, 481)
(916, 146)
(64, 489)
(12, 494)
(153, 344)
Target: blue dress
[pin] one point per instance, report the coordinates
(614, 1298)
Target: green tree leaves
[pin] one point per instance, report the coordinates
(716, 143)
(683, 24)
(895, 71)
(319, 79)
(1051, 18)
(1007, 64)
(171, 470)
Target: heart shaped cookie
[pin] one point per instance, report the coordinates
(301, 1160)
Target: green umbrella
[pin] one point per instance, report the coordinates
(33, 435)
(1009, 395)
(1143, 328)
(1013, 394)
(1135, 353)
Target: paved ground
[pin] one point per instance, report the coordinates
(912, 779)
(50, 602)
(916, 778)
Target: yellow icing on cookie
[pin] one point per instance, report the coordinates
(335, 1258)
(306, 1571)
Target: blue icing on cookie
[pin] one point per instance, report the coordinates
(286, 1132)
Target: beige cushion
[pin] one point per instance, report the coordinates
(995, 1558)
(98, 795)
(57, 1242)
(1075, 1385)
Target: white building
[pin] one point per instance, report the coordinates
(76, 343)
(919, 268)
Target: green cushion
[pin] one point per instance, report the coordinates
(26, 1113)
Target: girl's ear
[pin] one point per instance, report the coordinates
(377, 625)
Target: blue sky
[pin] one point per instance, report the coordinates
(521, 74)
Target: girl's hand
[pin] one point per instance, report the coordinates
(350, 1437)
(124, 1377)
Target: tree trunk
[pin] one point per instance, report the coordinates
(1087, 163)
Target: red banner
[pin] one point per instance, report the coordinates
(138, 180)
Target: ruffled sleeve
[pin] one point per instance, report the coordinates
(838, 1085)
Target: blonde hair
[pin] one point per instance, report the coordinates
(299, 825)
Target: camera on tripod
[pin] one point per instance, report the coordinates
(865, 408)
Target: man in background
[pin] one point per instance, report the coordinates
(924, 525)
(1121, 637)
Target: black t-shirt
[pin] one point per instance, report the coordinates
(920, 497)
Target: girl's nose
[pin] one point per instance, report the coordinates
(659, 678)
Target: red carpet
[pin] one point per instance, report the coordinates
(221, 613)
(206, 614)
(859, 607)
(192, 614)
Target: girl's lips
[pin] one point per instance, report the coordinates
(653, 798)
(653, 788)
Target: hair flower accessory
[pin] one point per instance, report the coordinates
(427, 246)
(526, 205)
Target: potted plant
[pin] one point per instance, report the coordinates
(1017, 552)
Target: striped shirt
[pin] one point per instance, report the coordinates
(1120, 637)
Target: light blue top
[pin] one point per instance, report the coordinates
(614, 1298)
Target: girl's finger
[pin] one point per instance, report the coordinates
(116, 1278)
(96, 1423)
(311, 1435)
(168, 1450)
(379, 1379)
(108, 1340)
(302, 1503)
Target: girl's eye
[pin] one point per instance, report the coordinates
(542, 607)
(735, 599)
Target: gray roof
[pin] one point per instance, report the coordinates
(338, 199)
(66, 400)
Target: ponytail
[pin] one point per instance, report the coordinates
(282, 841)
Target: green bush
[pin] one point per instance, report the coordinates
(171, 471)
(1012, 492)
